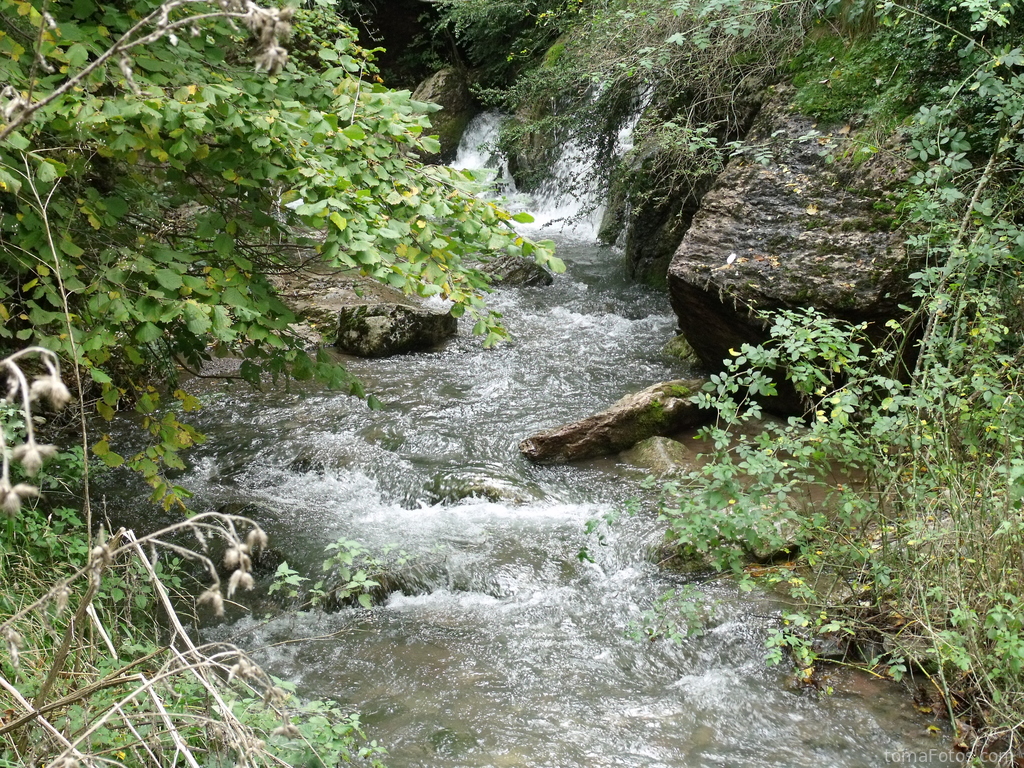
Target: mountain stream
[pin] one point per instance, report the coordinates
(502, 647)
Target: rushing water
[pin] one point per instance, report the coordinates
(503, 648)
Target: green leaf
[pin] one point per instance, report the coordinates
(355, 133)
(523, 218)
(196, 320)
(9, 183)
(18, 141)
(168, 279)
(77, 55)
(224, 244)
(147, 332)
(116, 206)
(49, 170)
(112, 459)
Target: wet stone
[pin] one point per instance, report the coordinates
(382, 330)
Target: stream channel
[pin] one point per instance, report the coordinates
(503, 648)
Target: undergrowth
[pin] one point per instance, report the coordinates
(892, 510)
(97, 666)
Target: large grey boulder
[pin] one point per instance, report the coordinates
(509, 270)
(662, 409)
(449, 89)
(379, 330)
(810, 228)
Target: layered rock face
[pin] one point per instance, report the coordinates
(806, 228)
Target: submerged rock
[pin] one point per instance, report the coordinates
(658, 455)
(807, 229)
(445, 488)
(379, 330)
(678, 350)
(662, 409)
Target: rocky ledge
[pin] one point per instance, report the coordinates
(797, 224)
(360, 316)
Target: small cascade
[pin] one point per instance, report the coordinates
(567, 202)
(561, 205)
(478, 151)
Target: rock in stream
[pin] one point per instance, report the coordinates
(662, 409)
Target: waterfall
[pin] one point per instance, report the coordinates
(560, 205)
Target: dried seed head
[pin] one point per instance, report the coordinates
(243, 669)
(256, 539)
(214, 598)
(14, 642)
(11, 498)
(237, 557)
(11, 383)
(271, 60)
(11, 103)
(61, 595)
(287, 730)
(32, 455)
(125, 65)
(275, 696)
(43, 64)
(25, 491)
(100, 556)
(10, 502)
(50, 388)
(240, 580)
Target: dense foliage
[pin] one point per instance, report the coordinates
(159, 162)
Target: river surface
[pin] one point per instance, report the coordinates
(502, 646)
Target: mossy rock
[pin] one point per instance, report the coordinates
(662, 409)
(679, 350)
(448, 89)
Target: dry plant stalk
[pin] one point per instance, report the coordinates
(32, 731)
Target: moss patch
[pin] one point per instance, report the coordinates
(838, 78)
